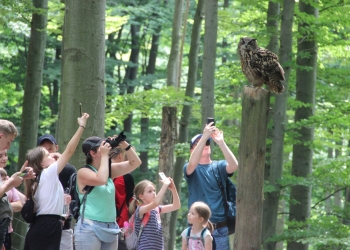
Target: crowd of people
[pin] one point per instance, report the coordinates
(114, 196)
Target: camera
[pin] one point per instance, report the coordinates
(114, 142)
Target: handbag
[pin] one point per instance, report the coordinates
(104, 234)
(228, 191)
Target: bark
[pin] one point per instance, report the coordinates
(271, 202)
(173, 63)
(150, 70)
(168, 140)
(132, 69)
(302, 151)
(187, 109)
(83, 70)
(209, 58)
(31, 100)
(250, 180)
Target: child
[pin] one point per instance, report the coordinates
(147, 200)
(16, 205)
(198, 217)
(47, 193)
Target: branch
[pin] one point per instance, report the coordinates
(328, 197)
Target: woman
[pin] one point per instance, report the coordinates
(47, 192)
(98, 228)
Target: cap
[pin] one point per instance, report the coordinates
(46, 137)
(90, 143)
(195, 138)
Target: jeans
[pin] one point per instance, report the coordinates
(67, 239)
(221, 238)
(86, 239)
(4, 223)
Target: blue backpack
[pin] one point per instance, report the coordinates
(202, 238)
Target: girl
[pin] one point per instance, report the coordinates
(198, 217)
(147, 200)
(98, 229)
(47, 193)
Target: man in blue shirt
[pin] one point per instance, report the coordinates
(201, 181)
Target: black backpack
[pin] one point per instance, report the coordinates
(202, 239)
(75, 203)
(229, 194)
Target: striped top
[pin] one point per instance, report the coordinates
(152, 234)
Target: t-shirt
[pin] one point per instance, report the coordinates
(5, 207)
(49, 194)
(202, 186)
(152, 234)
(12, 197)
(100, 202)
(195, 242)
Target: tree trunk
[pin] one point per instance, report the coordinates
(150, 70)
(209, 59)
(131, 71)
(250, 180)
(31, 99)
(187, 109)
(302, 151)
(271, 202)
(173, 63)
(83, 72)
(33, 82)
(168, 140)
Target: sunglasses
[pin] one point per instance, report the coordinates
(207, 143)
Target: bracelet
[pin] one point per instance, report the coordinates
(128, 147)
(82, 126)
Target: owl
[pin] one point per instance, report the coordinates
(260, 65)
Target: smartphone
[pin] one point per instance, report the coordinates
(81, 109)
(24, 173)
(162, 175)
(211, 119)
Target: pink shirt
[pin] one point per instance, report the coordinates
(12, 197)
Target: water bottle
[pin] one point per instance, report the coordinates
(65, 212)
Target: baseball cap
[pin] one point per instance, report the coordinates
(46, 137)
(195, 138)
(90, 143)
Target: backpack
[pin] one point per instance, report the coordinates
(72, 189)
(28, 210)
(131, 238)
(229, 194)
(202, 238)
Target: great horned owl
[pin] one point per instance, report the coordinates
(260, 65)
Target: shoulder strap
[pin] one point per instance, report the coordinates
(188, 234)
(218, 180)
(87, 190)
(202, 236)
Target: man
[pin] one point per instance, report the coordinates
(124, 189)
(8, 133)
(201, 181)
(50, 144)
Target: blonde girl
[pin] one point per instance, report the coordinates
(198, 217)
(147, 200)
(47, 193)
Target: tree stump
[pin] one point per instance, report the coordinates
(255, 108)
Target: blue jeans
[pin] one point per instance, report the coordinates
(221, 238)
(86, 239)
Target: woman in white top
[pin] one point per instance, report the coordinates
(47, 193)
